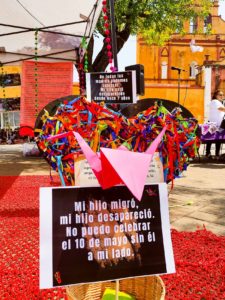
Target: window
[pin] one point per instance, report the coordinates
(10, 79)
(193, 69)
(9, 119)
(7, 104)
(193, 25)
(207, 23)
(164, 69)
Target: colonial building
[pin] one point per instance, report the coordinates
(180, 70)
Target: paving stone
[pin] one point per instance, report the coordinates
(214, 209)
(191, 224)
(208, 217)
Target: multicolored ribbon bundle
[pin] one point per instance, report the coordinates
(102, 127)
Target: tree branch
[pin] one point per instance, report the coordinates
(101, 61)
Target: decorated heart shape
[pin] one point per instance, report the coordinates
(102, 127)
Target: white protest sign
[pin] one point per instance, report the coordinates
(88, 234)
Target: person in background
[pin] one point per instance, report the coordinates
(2, 136)
(216, 115)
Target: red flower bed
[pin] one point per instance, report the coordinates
(200, 264)
(199, 256)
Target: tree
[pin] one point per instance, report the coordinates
(155, 20)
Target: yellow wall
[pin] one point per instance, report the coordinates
(191, 98)
(11, 69)
(10, 92)
(180, 54)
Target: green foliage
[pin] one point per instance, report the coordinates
(156, 20)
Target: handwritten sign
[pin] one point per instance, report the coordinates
(118, 87)
(88, 234)
(54, 80)
(155, 170)
(84, 175)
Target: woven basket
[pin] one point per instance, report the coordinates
(143, 288)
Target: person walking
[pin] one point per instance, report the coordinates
(216, 115)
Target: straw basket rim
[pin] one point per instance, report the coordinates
(143, 288)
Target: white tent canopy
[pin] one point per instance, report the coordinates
(61, 26)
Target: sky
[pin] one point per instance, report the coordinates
(222, 9)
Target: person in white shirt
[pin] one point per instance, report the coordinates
(216, 115)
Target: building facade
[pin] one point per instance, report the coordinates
(179, 70)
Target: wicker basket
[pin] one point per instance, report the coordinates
(143, 288)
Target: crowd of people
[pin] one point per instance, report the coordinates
(9, 136)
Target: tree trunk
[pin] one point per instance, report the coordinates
(90, 51)
(101, 61)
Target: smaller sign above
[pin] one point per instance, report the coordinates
(118, 87)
